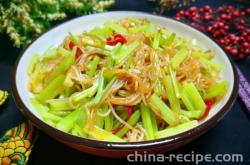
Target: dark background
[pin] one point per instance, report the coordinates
(231, 135)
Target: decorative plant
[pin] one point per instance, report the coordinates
(24, 20)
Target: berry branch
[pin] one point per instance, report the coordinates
(228, 25)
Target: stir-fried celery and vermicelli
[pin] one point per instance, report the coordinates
(129, 80)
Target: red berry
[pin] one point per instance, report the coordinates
(242, 56)
(234, 51)
(245, 45)
(192, 9)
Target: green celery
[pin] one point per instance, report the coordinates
(59, 104)
(32, 65)
(135, 20)
(150, 30)
(103, 32)
(161, 109)
(90, 92)
(156, 41)
(61, 68)
(60, 113)
(137, 29)
(107, 88)
(43, 111)
(212, 64)
(217, 90)
(68, 91)
(169, 40)
(186, 101)
(117, 28)
(179, 58)
(125, 51)
(99, 121)
(99, 93)
(50, 53)
(108, 121)
(154, 122)
(68, 122)
(74, 38)
(54, 88)
(173, 100)
(123, 116)
(78, 131)
(192, 114)
(194, 96)
(201, 55)
(103, 135)
(174, 82)
(93, 65)
(147, 122)
(131, 121)
(177, 129)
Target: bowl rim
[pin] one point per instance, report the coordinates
(63, 136)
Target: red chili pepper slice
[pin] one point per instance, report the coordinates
(115, 39)
(209, 103)
(71, 45)
(78, 53)
(130, 111)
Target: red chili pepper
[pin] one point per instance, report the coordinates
(130, 111)
(71, 45)
(115, 39)
(209, 103)
(78, 53)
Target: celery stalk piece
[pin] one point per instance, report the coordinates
(150, 30)
(43, 111)
(103, 135)
(194, 96)
(125, 51)
(61, 68)
(68, 91)
(173, 100)
(147, 122)
(117, 123)
(107, 88)
(135, 20)
(93, 65)
(63, 52)
(131, 121)
(74, 38)
(60, 113)
(50, 53)
(84, 94)
(52, 90)
(177, 129)
(67, 123)
(179, 58)
(108, 121)
(82, 117)
(117, 28)
(216, 66)
(59, 104)
(156, 41)
(32, 65)
(99, 121)
(103, 32)
(192, 114)
(174, 82)
(128, 63)
(78, 131)
(154, 123)
(162, 110)
(99, 94)
(137, 29)
(186, 101)
(201, 55)
(169, 40)
(217, 90)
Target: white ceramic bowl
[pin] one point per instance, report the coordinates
(76, 26)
